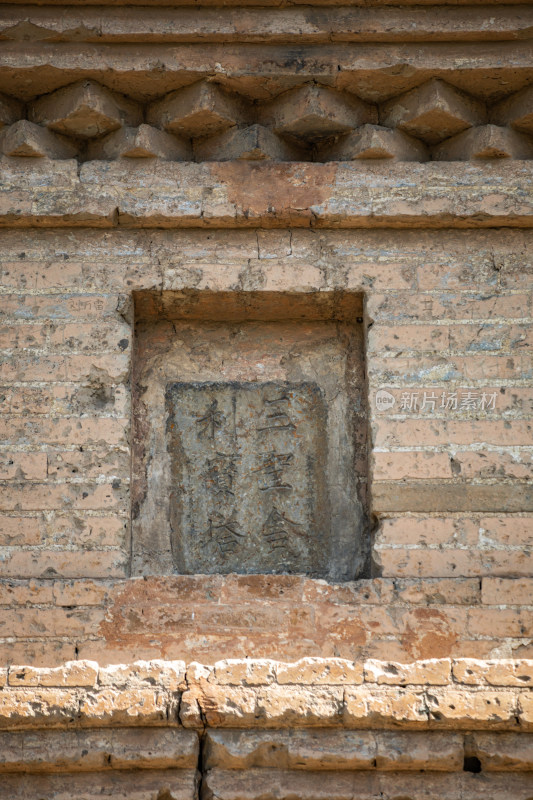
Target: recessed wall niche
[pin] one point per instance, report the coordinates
(249, 421)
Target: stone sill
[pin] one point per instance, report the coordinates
(161, 194)
(260, 693)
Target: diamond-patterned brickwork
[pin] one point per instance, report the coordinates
(28, 140)
(198, 110)
(485, 141)
(10, 110)
(254, 143)
(433, 112)
(142, 142)
(313, 113)
(86, 110)
(375, 141)
(516, 111)
(205, 122)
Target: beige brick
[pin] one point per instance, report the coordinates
(284, 705)
(432, 672)
(225, 706)
(113, 367)
(451, 562)
(245, 672)
(169, 675)
(26, 707)
(421, 338)
(473, 709)
(72, 673)
(503, 672)
(316, 671)
(403, 307)
(126, 707)
(488, 465)
(367, 707)
(84, 530)
(89, 464)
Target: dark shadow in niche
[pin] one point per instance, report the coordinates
(250, 434)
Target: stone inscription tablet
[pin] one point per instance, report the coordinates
(248, 489)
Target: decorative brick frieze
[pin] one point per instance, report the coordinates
(209, 122)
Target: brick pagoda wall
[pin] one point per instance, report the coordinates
(375, 150)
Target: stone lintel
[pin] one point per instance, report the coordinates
(239, 195)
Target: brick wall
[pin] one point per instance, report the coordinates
(446, 312)
(292, 155)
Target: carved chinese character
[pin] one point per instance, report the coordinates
(277, 531)
(210, 422)
(271, 471)
(276, 414)
(221, 473)
(224, 531)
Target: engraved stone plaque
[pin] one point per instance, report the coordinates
(248, 464)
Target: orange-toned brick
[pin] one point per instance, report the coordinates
(109, 367)
(42, 622)
(35, 563)
(23, 466)
(85, 530)
(19, 530)
(428, 531)
(441, 431)
(511, 530)
(500, 622)
(404, 465)
(66, 431)
(403, 306)
(431, 338)
(507, 591)
(42, 496)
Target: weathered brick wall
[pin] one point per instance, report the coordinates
(446, 311)
(155, 152)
